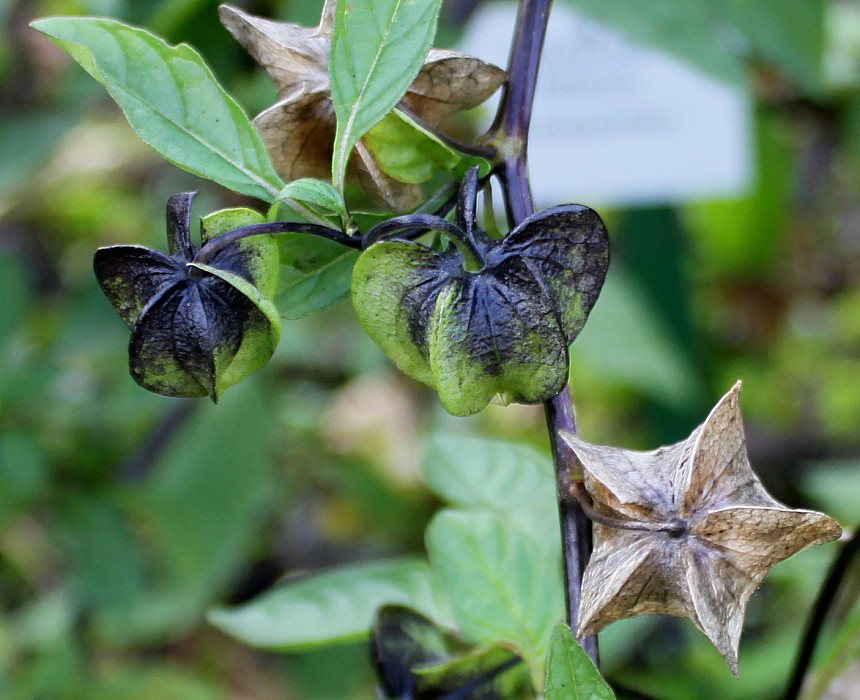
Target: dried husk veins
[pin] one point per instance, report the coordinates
(196, 328)
(732, 531)
(501, 330)
(299, 129)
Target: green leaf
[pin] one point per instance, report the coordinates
(331, 606)
(172, 100)
(320, 196)
(404, 152)
(570, 673)
(409, 153)
(511, 480)
(503, 588)
(315, 273)
(378, 47)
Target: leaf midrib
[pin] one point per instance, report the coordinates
(250, 174)
(342, 150)
(356, 105)
(121, 88)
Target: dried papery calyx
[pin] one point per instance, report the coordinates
(299, 129)
(485, 317)
(201, 320)
(686, 530)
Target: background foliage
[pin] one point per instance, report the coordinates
(125, 516)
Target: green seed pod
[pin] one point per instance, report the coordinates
(198, 325)
(485, 317)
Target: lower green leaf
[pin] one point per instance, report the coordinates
(332, 606)
(570, 673)
(322, 199)
(503, 589)
(512, 480)
(409, 153)
(172, 100)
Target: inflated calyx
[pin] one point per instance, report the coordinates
(483, 317)
(200, 320)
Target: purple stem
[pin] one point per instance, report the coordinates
(839, 570)
(509, 136)
(217, 244)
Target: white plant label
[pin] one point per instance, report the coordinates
(618, 123)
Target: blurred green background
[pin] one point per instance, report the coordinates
(124, 516)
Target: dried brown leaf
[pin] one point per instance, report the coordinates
(299, 128)
(695, 531)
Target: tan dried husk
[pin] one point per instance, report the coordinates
(736, 531)
(299, 129)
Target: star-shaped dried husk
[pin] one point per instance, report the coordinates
(299, 128)
(713, 531)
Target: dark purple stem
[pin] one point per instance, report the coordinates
(209, 249)
(509, 136)
(841, 566)
(509, 133)
(575, 525)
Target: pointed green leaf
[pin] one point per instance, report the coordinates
(514, 481)
(320, 196)
(330, 606)
(409, 153)
(378, 47)
(172, 100)
(570, 673)
(502, 587)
